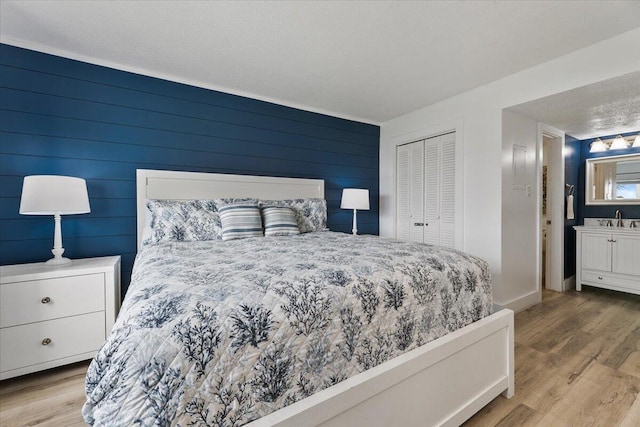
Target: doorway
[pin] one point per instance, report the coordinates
(551, 209)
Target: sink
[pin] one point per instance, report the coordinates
(601, 223)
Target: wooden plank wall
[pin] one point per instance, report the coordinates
(64, 117)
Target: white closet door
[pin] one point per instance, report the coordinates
(448, 191)
(432, 191)
(426, 186)
(416, 198)
(403, 193)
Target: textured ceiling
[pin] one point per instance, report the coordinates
(604, 108)
(370, 61)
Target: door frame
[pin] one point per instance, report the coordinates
(556, 232)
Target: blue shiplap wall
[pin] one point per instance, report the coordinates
(65, 117)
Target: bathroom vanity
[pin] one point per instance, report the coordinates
(608, 257)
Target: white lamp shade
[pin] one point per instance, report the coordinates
(636, 142)
(618, 143)
(355, 198)
(54, 194)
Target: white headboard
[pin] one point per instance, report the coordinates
(174, 185)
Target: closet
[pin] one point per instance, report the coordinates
(425, 177)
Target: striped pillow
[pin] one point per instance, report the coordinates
(311, 214)
(279, 221)
(240, 220)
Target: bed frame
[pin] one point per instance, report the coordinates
(442, 383)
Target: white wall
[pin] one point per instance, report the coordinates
(519, 214)
(477, 116)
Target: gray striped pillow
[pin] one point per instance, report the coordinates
(279, 221)
(240, 220)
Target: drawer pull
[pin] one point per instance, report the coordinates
(599, 277)
(46, 300)
(418, 224)
(46, 341)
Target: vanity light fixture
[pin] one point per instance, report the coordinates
(618, 143)
(598, 146)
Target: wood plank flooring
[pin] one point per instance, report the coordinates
(49, 398)
(577, 364)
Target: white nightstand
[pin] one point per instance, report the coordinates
(51, 316)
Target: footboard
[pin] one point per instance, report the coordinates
(442, 383)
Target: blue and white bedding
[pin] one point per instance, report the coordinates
(221, 333)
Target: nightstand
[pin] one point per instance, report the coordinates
(52, 316)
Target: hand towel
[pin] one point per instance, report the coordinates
(570, 214)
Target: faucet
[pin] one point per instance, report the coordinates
(619, 222)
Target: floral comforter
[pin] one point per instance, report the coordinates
(221, 333)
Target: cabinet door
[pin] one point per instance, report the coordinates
(432, 191)
(596, 251)
(626, 254)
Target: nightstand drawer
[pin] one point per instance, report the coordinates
(46, 299)
(42, 342)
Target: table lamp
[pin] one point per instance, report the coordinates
(54, 195)
(355, 198)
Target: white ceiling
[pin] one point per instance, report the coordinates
(603, 108)
(369, 61)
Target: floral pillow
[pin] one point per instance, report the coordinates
(311, 214)
(183, 220)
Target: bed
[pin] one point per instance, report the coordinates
(320, 328)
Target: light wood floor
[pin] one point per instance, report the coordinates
(577, 364)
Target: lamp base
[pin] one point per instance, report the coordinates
(57, 252)
(58, 261)
(354, 230)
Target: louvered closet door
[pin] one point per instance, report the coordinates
(426, 187)
(402, 193)
(416, 192)
(448, 190)
(432, 191)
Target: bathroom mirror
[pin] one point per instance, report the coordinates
(613, 180)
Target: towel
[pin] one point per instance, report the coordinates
(570, 214)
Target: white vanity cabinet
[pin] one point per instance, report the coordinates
(608, 258)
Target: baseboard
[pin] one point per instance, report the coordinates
(569, 283)
(523, 302)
